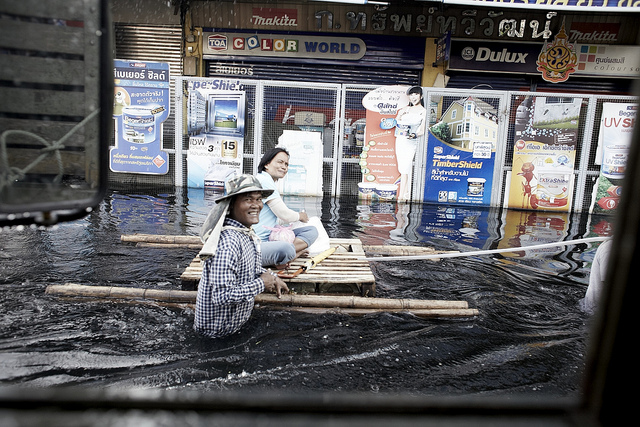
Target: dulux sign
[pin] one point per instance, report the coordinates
(494, 56)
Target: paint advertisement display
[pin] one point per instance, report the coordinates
(546, 133)
(215, 121)
(616, 131)
(305, 163)
(395, 117)
(461, 154)
(140, 106)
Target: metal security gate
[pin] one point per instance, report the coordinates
(321, 73)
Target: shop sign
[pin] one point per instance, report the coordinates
(596, 60)
(608, 60)
(494, 56)
(282, 46)
(594, 32)
(270, 17)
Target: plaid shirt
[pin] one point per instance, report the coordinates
(230, 281)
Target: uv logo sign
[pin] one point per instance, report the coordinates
(217, 42)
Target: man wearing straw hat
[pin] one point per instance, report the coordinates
(232, 272)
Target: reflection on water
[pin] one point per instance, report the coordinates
(529, 338)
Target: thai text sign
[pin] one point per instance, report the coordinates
(141, 105)
(546, 133)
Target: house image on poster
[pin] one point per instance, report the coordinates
(471, 120)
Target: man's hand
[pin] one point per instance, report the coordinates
(272, 283)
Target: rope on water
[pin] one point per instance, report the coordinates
(489, 251)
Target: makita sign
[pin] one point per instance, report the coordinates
(494, 56)
(273, 17)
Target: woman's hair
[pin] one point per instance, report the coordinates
(418, 90)
(269, 155)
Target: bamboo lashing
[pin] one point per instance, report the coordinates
(347, 304)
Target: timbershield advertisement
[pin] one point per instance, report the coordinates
(461, 154)
(616, 130)
(140, 106)
(215, 125)
(546, 133)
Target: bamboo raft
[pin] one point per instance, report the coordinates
(346, 271)
(351, 305)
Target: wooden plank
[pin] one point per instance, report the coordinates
(73, 162)
(68, 9)
(342, 271)
(30, 69)
(51, 38)
(41, 101)
(47, 129)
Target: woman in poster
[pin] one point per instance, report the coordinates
(410, 127)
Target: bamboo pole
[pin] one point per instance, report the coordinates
(347, 304)
(425, 313)
(193, 242)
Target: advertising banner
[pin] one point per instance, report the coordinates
(396, 120)
(461, 154)
(140, 106)
(215, 110)
(458, 176)
(546, 133)
(616, 131)
(305, 163)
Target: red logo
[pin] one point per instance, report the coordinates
(217, 42)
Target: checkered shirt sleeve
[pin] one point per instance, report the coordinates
(230, 280)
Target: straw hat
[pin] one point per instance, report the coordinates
(242, 184)
(210, 233)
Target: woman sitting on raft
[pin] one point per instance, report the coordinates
(274, 166)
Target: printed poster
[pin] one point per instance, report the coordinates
(304, 177)
(616, 131)
(546, 133)
(393, 118)
(140, 106)
(215, 124)
(461, 154)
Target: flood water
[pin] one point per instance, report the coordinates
(530, 337)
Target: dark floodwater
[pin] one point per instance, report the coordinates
(529, 339)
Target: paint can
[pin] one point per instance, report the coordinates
(386, 191)
(475, 187)
(139, 124)
(365, 190)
